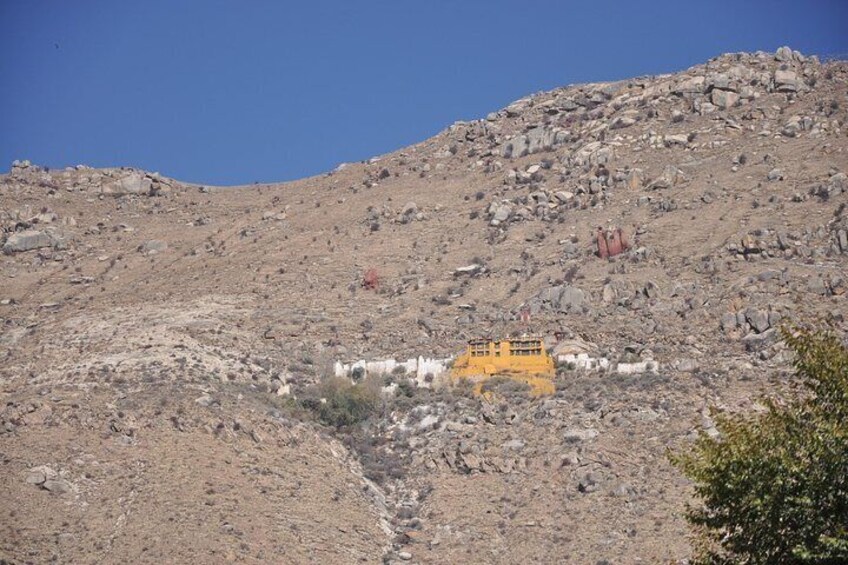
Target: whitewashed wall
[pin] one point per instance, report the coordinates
(587, 363)
(416, 368)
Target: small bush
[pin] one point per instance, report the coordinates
(406, 388)
(378, 463)
(339, 403)
(563, 367)
(463, 388)
(287, 406)
(506, 387)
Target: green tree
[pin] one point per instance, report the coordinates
(773, 487)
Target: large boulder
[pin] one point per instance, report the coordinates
(561, 299)
(501, 212)
(31, 239)
(689, 87)
(784, 54)
(153, 246)
(535, 140)
(758, 319)
(723, 99)
(785, 81)
(728, 322)
(720, 81)
(133, 183)
(670, 177)
(593, 153)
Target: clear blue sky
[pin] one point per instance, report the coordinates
(235, 92)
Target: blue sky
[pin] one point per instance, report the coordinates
(235, 92)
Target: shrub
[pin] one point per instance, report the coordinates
(378, 463)
(563, 367)
(463, 387)
(405, 388)
(506, 387)
(287, 406)
(774, 487)
(344, 404)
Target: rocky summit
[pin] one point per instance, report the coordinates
(158, 338)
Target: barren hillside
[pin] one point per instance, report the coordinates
(154, 331)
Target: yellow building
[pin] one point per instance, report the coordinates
(523, 359)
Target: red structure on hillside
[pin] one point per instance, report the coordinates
(611, 242)
(371, 280)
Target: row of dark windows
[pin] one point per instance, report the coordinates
(484, 351)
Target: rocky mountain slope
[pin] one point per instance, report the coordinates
(151, 327)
